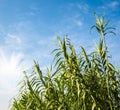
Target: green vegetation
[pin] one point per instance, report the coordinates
(75, 81)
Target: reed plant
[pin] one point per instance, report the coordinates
(76, 81)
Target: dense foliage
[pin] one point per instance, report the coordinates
(75, 82)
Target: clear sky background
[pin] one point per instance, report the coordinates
(28, 30)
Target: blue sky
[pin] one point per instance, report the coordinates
(28, 30)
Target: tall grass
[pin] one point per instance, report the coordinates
(75, 81)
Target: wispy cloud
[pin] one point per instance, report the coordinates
(71, 23)
(113, 4)
(78, 22)
(13, 39)
(82, 6)
(110, 5)
(34, 10)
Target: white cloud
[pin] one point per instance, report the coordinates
(13, 39)
(113, 4)
(72, 22)
(78, 23)
(34, 10)
(82, 6)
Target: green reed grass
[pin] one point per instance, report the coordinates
(75, 81)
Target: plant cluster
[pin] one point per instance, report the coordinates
(77, 82)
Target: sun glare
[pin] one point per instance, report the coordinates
(10, 74)
(10, 69)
